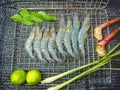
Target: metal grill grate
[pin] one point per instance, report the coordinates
(61, 4)
(14, 35)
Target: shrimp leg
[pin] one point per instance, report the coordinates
(51, 44)
(60, 36)
(29, 43)
(44, 45)
(74, 35)
(36, 44)
(67, 40)
(83, 34)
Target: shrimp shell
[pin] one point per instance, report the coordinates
(83, 34)
(44, 45)
(29, 43)
(74, 35)
(60, 36)
(67, 40)
(51, 44)
(36, 44)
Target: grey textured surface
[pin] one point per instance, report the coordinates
(11, 56)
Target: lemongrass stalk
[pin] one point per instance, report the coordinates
(85, 73)
(53, 78)
(114, 69)
(115, 54)
(112, 50)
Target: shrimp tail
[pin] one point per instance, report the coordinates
(68, 45)
(52, 51)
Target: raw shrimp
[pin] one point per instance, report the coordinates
(51, 44)
(44, 45)
(29, 43)
(74, 35)
(83, 33)
(60, 36)
(67, 40)
(36, 44)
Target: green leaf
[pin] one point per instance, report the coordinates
(51, 17)
(29, 18)
(27, 21)
(24, 13)
(36, 17)
(42, 14)
(16, 18)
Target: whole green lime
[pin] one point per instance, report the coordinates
(33, 77)
(18, 77)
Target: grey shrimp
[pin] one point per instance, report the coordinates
(37, 45)
(29, 43)
(52, 44)
(74, 35)
(83, 33)
(44, 45)
(67, 38)
(60, 36)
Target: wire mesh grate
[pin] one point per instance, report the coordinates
(14, 36)
(61, 4)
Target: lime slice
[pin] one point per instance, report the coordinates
(33, 77)
(18, 77)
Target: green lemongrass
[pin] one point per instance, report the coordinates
(114, 69)
(85, 73)
(56, 77)
(112, 50)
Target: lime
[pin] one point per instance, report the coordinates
(18, 77)
(33, 77)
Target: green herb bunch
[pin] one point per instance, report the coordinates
(31, 17)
